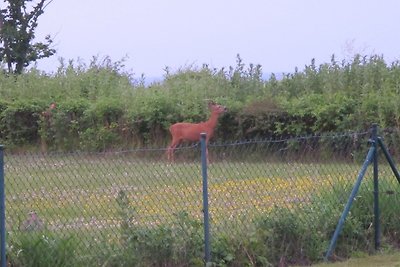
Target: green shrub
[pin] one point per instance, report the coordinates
(176, 244)
(20, 123)
(331, 97)
(282, 235)
(68, 123)
(42, 249)
(100, 125)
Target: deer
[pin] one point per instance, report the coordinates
(48, 112)
(47, 118)
(185, 131)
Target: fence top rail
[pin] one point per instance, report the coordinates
(196, 145)
(288, 139)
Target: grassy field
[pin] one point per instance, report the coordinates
(91, 195)
(380, 260)
(80, 190)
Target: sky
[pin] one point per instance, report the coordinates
(280, 35)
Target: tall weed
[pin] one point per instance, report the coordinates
(42, 249)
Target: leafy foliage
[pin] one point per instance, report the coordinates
(100, 106)
(19, 123)
(42, 249)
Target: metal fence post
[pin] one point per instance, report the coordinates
(2, 210)
(207, 250)
(377, 227)
(346, 210)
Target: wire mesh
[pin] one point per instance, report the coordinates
(273, 175)
(99, 196)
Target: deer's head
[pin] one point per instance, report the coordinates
(215, 108)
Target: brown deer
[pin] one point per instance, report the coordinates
(184, 131)
(47, 114)
(47, 118)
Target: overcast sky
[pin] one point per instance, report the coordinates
(278, 34)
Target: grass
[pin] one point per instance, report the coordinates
(381, 259)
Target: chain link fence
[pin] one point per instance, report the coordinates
(99, 198)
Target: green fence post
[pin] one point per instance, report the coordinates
(389, 159)
(207, 250)
(377, 227)
(346, 210)
(2, 210)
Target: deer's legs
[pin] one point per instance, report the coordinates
(170, 153)
(171, 148)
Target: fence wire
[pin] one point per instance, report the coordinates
(98, 197)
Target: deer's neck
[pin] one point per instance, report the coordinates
(213, 120)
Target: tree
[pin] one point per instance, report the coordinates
(17, 31)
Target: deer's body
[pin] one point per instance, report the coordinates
(48, 112)
(47, 119)
(184, 131)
